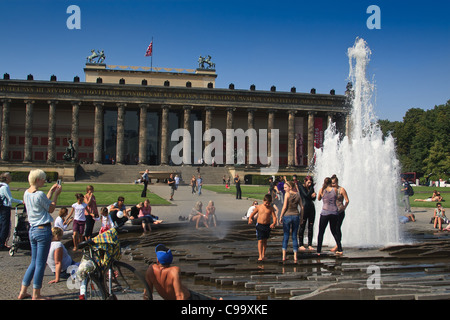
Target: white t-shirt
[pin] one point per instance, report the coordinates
(59, 223)
(66, 258)
(250, 211)
(107, 222)
(79, 211)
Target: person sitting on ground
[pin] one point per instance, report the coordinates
(145, 213)
(133, 212)
(58, 258)
(106, 220)
(436, 197)
(250, 210)
(439, 216)
(118, 212)
(165, 278)
(62, 221)
(447, 228)
(196, 215)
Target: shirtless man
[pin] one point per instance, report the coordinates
(265, 212)
(166, 278)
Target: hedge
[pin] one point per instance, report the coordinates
(22, 176)
(257, 179)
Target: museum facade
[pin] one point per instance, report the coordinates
(126, 115)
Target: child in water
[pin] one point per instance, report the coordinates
(211, 213)
(265, 212)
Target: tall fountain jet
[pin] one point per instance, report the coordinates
(365, 163)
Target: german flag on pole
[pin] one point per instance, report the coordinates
(149, 51)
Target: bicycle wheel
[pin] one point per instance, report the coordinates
(128, 283)
(95, 289)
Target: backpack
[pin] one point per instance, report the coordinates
(409, 190)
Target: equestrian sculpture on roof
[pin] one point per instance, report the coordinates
(207, 60)
(99, 55)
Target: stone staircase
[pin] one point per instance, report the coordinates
(129, 173)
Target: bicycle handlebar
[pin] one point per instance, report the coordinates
(86, 243)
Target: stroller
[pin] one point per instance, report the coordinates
(20, 236)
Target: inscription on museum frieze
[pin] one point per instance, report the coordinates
(88, 93)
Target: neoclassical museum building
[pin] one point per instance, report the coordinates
(126, 115)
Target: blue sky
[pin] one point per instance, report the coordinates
(281, 43)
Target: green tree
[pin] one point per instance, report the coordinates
(422, 139)
(438, 160)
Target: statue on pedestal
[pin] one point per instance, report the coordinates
(70, 152)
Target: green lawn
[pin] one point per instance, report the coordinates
(426, 192)
(105, 194)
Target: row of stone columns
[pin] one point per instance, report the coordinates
(5, 130)
(250, 125)
(164, 152)
(29, 111)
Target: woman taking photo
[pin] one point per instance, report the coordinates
(39, 206)
(290, 216)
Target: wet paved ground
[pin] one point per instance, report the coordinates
(227, 266)
(222, 261)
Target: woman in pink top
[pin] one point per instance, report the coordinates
(329, 214)
(146, 215)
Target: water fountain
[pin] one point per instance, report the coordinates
(366, 165)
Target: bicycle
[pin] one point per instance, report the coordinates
(111, 279)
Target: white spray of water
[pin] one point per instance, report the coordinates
(366, 165)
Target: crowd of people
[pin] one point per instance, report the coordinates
(45, 233)
(438, 219)
(288, 203)
(291, 204)
(77, 221)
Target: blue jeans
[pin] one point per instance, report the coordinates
(40, 240)
(290, 226)
(406, 203)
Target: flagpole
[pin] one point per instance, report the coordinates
(151, 60)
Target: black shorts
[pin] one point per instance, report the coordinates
(197, 296)
(262, 231)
